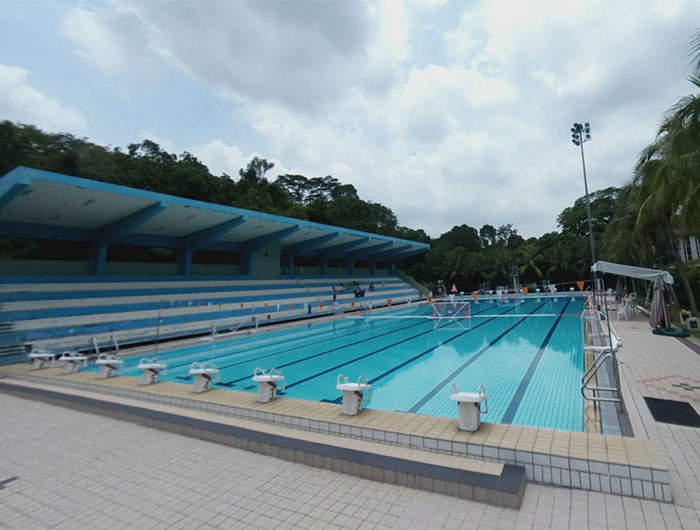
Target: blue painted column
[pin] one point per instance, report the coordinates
(98, 259)
(323, 265)
(290, 264)
(351, 267)
(184, 260)
(372, 267)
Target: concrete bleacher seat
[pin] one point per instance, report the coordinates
(58, 315)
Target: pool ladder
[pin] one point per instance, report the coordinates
(591, 372)
(605, 353)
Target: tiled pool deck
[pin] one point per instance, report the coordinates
(661, 462)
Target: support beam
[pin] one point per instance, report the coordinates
(10, 191)
(290, 264)
(366, 252)
(197, 239)
(112, 231)
(312, 244)
(340, 250)
(406, 254)
(249, 249)
(107, 234)
(395, 250)
(259, 242)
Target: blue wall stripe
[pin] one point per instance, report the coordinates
(478, 354)
(525, 381)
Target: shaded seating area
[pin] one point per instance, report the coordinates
(77, 315)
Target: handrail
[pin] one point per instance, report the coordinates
(590, 373)
(606, 352)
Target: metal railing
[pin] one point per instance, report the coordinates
(592, 322)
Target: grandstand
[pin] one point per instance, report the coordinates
(60, 304)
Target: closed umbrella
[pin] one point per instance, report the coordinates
(659, 316)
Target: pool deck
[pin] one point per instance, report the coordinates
(661, 462)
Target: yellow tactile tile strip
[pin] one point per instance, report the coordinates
(582, 460)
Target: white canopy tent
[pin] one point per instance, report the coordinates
(632, 272)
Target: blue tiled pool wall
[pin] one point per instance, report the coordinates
(530, 365)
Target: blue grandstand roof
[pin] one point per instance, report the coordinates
(44, 205)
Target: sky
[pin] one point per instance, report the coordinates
(448, 112)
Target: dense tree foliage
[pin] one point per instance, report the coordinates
(469, 257)
(661, 203)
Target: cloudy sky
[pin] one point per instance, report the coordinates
(448, 112)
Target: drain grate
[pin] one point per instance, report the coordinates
(675, 412)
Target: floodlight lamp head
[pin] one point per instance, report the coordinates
(587, 125)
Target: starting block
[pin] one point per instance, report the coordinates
(152, 368)
(40, 358)
(204, 375)
(108, 364)
(72, 362)
(353, 394)
(268, 383)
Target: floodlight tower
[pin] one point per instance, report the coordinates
(581, 134)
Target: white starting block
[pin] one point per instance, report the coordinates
(108, 364)
(204, 375)
(353, 394)
(152, 368)
(469, 407)
(72, 362)
(268, 383)
(40, 358)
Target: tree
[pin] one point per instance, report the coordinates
(254, 173)
(487, 234)
(462, 236)
(666, 181)
(574, 219)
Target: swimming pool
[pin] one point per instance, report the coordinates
(529, 357)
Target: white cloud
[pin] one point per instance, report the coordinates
(20, 102)
(222, 158)
(304, 55)
(475, 132)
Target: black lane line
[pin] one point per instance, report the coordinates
(231, 383)
(354, 331)
(525, 381)
(404, 363)
(473, 358)
(272, 344)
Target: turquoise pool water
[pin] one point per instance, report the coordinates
(529, 357)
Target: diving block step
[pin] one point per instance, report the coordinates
(489, 482)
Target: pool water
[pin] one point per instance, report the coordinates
(528, 356)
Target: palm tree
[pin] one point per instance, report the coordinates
(666, 180)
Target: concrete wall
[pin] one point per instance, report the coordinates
(265, 263)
